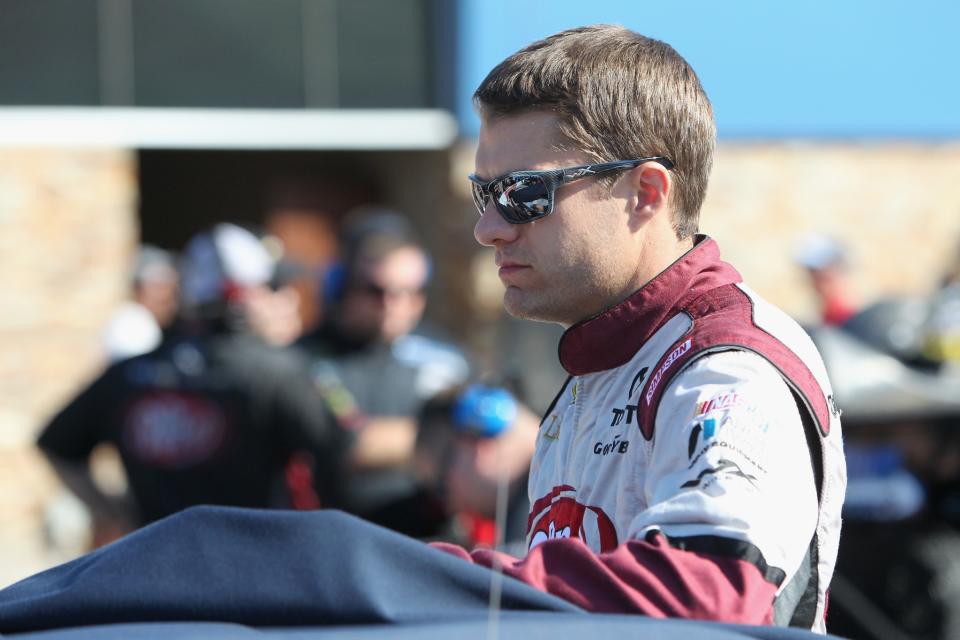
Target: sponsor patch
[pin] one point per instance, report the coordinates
(629, 410)
(731, 449)
(552, 431)
(637, 381)
(618, 414)
(707, 429)
(174, 430)
(720, 401)
(615, 446)
(560, 515)
(731, 414)
(658, 376)
(709, 476)
(740, 428)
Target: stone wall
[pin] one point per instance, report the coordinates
(896, 206)
(67, 230)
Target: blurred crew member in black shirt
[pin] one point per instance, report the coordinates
(211, 416)
(374, 367)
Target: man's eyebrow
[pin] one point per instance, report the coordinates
(487, 180)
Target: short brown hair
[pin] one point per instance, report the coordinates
(618, 95)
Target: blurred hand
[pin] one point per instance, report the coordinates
(110, 529)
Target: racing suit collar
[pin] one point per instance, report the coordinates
(612, 337)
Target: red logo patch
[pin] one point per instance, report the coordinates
(719, 401)
(174, 430)
(559, 515)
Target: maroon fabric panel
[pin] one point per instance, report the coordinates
(641, 577)
(724, 318)
(611, 338)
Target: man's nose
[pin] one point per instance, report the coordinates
(491, 229)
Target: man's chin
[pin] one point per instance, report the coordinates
(520, 304)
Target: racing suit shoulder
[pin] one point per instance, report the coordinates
(732, 318)
(729, 319)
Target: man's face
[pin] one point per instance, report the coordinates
(160, 294)
(389, 298)
(574, 263)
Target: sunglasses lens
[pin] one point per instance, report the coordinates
(522, 198)
(479, 200)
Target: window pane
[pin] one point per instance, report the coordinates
(48, 52)
(218, 53)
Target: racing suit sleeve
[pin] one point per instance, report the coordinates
(732, 507)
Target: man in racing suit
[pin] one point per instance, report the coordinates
(692, 465)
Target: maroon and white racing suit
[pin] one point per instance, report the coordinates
(692, 465)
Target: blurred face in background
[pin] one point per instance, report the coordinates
(830, 281)
(274, 315)
(158, 290)
(386, 297)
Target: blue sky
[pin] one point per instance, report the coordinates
(817, 69)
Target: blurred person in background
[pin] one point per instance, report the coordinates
(137, 326)
(272, 311)
(898, 571)
(305, 211)
(371, 365)
(942, 339)
(211, 416)
(474, 443)
(827, 265)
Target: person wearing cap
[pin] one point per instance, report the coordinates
(474, 442)
(372, 368)
(827, 265)
(211, 416)
(136, 327)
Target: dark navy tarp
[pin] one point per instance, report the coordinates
(215, 572)
(513, 625)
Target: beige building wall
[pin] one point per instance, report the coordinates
(67, 232)
(896, 206)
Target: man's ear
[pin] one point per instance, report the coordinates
(651, 183)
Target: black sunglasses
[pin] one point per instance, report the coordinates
(525, 196)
